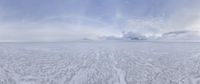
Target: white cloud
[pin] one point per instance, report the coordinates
(76, 27)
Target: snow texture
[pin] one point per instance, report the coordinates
(100, 63)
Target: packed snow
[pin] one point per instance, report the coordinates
(100, 63)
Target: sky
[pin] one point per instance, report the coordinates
(68, 20)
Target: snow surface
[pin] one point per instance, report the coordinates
(100, 63)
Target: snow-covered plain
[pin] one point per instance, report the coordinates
(100, 63)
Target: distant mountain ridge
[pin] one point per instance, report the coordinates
(173, 35)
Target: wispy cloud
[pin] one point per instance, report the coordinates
(61, 20)
(55, 29)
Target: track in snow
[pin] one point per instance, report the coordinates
(100, 63)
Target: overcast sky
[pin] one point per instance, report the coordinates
(66, 20)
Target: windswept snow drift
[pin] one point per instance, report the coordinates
(100, 63)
